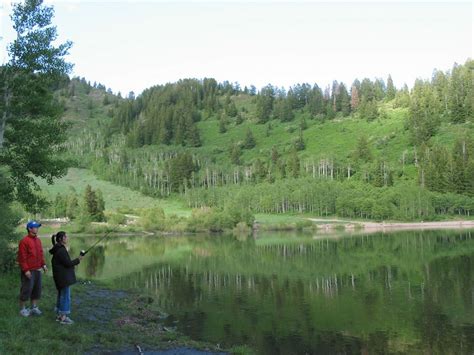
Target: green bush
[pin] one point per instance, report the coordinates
(153, 219)
(300, 225)
(241, 229)
(217, 220)
(116, 219)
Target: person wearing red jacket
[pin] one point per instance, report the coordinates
(31, 261)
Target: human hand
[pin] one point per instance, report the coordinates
(28, 274)
(45, 269)
(81, 257)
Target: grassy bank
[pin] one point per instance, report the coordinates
(106, 320)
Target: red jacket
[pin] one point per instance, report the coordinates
(30, 253)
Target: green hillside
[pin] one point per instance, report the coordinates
(212, 144)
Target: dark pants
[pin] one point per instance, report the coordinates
(30, 287)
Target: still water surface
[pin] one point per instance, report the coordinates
(299, 293)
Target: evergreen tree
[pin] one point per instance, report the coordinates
(265, 104)
(94, 208)
(379, 89)
(235, 154)
(193, 137)
(461, 92)
(259, 169)
(231, 110)
(299, 143)
(391, 90)
(180, 170)
(249, 141)
(424, 119)
(294, 164)
(283, 110)
(240, 119)
(363, 152)
(315, 103)
(343, 100)
(222, 125)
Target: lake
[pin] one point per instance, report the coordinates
(284, 293)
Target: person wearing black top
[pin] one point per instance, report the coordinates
(63, 275)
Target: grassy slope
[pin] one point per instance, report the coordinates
(115, 196)
(334, 139)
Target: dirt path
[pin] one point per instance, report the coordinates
(331, 224)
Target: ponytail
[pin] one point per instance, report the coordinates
(58, 237)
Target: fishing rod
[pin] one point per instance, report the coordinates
(84, 252)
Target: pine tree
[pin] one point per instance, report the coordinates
(235, 154)
(315, 103)
(91, 204)
(391, 90)
(193, 137)
(283, 110)
(259, 170)
(424, 119)
(240, 119)
(362, 151)
(265, 104)
(344, 100)
(100, 205)
(299, 143)
(249, 141)
(180, 169)
(294, 164)
(222, 125)
(231, 110)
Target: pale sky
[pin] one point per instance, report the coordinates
(132, 45)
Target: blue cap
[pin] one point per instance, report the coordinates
(33, 224)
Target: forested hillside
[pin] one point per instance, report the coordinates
(368, 150)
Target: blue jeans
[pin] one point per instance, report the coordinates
(63, 301)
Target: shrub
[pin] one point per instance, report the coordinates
(116, 219)
(153, 218)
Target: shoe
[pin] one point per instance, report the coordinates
(58, 318)
(25, 312)
(67, 321)
(36, 311)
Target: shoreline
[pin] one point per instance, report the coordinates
(109, 320)
(319, 225)
(390, 226)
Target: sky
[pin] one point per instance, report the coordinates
(131, 45)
